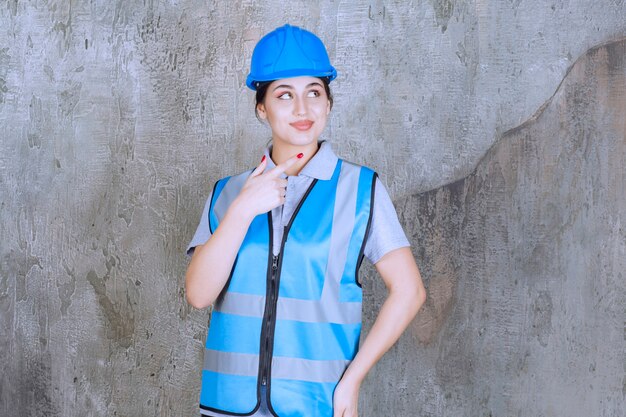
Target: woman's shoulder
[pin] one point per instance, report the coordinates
(231, 183)
(237, 176)
(357, 166)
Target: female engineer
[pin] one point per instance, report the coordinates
(278, 250)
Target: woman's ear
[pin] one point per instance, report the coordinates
(328, 107)
(260, 109)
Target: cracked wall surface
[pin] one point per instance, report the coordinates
(499, 133)
(525, 262)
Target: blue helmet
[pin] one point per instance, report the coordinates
(286, 52)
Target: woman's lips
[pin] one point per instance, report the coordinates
(302, 125)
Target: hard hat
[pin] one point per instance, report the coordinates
(286, 52)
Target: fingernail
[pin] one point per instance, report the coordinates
(300, 155)
(263, 159)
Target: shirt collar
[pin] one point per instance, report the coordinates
(321, 166)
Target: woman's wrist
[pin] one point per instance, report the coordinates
(353, 376)
(240, 211)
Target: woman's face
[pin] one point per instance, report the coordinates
(296, 109)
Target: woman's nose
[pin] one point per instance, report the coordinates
(299, 106)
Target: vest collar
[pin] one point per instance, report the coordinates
(321, 166)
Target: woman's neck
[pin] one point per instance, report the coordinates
(281, 152)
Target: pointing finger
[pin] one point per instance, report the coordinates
(260, 168)
(279, 169)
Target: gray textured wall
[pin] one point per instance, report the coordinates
(116, 119)
(526, 267)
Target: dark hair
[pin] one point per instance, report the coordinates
(261, 91)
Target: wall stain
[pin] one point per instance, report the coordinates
(125, 213)
(64, 28)
(68, 99)
(12, 6)
(4, 286)
(436, 211)
(3, 89)
(35, 388)
(373, 15)
(36, 123)
(5, 60)
(541, 318)
(120, 328)
(443, 12)
(66, 290)
(19, 263)
(47, 69)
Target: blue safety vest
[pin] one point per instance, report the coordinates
(291, 322)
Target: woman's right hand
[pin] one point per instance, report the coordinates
(212, 262)
(264, 191)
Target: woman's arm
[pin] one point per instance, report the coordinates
(212, 262)
(406, 295)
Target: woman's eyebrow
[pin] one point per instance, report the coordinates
(282, 86)
(291, 87)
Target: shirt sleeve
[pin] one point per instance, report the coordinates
(385, 233)
(203, 232)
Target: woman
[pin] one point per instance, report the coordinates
(286, 242)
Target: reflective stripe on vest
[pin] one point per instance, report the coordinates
(304, 339)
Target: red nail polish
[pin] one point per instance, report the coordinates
(300, 155)
(263, 159)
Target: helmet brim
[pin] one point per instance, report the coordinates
(252, 81)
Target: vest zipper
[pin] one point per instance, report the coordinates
(270, 317)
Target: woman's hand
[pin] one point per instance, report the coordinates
(406, 295)
(346, 398)
(264, 191)
(212, 262)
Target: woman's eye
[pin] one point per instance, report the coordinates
(284, 96)
(314, 93)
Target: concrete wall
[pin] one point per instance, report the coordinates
(117, 117)
(526, 266)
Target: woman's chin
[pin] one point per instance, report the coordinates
(300, 140)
